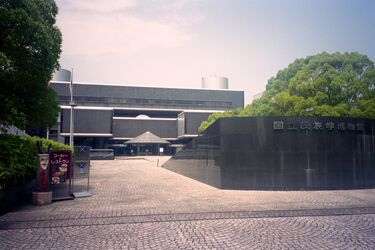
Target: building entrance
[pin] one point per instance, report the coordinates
(147, 144)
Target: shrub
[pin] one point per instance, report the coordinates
(46, 143)
(18, 159)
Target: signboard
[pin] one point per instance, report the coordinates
(320, 126)
(60, 164)
(81, 161)
(81, 180)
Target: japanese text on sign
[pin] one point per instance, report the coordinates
(60, 166)
(318, 126)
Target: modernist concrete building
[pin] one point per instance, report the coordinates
(107, 116)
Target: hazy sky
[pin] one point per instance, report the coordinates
(174, 43)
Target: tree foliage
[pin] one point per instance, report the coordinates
(30, 45)
(320, 85)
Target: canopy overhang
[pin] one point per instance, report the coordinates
(147, 138)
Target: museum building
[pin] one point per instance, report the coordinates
(136, 119)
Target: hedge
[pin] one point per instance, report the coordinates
(18, 159)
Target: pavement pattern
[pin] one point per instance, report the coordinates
(138, 205)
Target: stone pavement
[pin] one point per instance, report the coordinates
(137, 205)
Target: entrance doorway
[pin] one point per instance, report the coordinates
(147, 144)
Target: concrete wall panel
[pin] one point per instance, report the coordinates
(283, 153)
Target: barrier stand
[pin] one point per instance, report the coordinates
(81, 172)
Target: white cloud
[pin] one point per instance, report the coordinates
(98, 5)
(89, 31)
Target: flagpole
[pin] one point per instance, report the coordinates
(72, 104)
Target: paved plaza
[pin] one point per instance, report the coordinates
(137, 204)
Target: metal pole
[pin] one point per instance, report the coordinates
(71, 137)
(88, 175)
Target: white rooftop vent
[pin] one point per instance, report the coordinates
(62, 75)
(214, 82)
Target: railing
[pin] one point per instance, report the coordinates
(102, 154)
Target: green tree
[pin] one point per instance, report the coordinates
(212, 118)
(30, 45)
(320, 85)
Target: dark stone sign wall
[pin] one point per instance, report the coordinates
(282, 153)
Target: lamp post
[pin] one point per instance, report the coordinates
(72, 104)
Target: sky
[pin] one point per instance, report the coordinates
(170, 43)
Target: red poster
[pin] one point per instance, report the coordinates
(43, 168)
(60, 163)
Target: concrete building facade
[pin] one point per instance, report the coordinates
(107, 116)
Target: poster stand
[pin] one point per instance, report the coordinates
(81, 172)
(60, 172)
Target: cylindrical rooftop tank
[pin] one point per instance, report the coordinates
(62, 75)
(214, 82)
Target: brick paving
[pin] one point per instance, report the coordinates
(137, 205)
